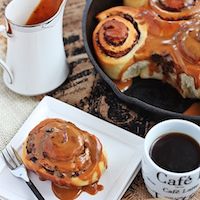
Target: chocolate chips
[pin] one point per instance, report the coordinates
(59, 174)
(75, 174)
(135, 24)
(45, 154)
(129, 18)
(49, 130)
(165, 62)
(48, 168)
(30, 145)
(33, 159)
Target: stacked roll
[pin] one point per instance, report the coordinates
(59, 151)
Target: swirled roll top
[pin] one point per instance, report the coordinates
(116, 38)
(59, 151)
(188, 42)
(175, 9)
(176, 5)
(115, 32)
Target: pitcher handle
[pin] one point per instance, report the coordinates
(2, 63)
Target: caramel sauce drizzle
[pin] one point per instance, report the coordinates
(174, 10)
(123, 85)
(171, 38)
(64, 193)
(61, 146)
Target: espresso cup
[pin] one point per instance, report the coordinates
(161, 182)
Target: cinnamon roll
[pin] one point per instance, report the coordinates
(176, 9)
(116, 39)
(59, 151)
(144, 42)
(186, 46)
(171, 53)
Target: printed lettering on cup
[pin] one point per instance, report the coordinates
(175, 191)
(181, 181)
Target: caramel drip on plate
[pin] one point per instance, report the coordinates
(44, 11)
(64, 193)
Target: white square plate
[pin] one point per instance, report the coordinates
(123, 148)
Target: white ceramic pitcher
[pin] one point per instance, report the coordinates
(35, 59)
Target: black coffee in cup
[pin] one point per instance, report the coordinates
(176, 152)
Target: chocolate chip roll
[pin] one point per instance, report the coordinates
(187, 56)
(116, 38)
(59, 151)
(176, 9)
(188, 42)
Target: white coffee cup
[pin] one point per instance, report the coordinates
(161, 182)
(35, 60)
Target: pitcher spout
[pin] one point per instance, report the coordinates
(53, 9)
(36, 12)
(60, 10)
(63, 4)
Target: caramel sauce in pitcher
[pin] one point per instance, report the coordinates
(44, 11)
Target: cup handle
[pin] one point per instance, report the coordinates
(2, 63)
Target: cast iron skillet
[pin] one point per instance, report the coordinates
(150, 97)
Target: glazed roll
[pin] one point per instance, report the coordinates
(116, 39)
(59, 151)
(187, 57)
(176, 9)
